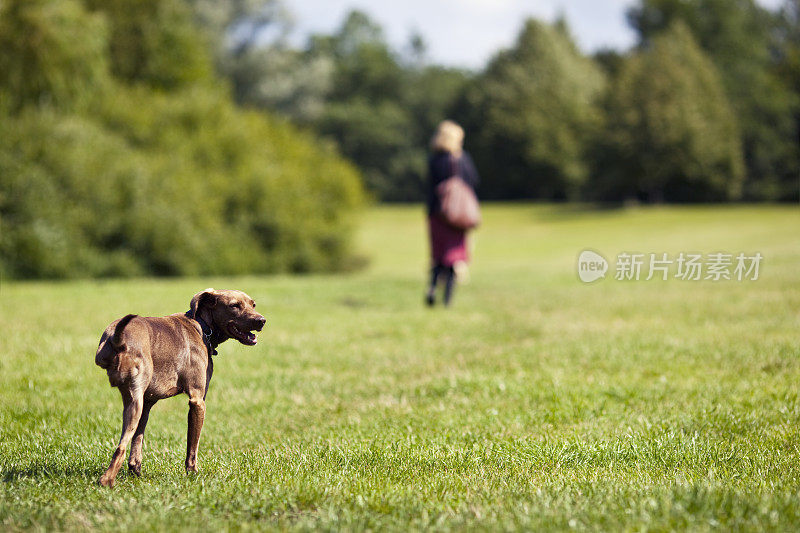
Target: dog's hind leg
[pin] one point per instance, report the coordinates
(133, 404)
(135, 459)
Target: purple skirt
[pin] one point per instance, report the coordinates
(448, 244)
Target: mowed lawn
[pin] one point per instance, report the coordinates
(535, 402)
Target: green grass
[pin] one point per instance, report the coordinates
(536, 402)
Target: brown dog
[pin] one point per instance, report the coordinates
(149, 359)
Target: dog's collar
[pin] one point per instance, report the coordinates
(207, 332)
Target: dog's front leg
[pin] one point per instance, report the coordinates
(197, 413)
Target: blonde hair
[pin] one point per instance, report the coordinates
(449, 137)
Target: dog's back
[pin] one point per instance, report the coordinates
(154, 349)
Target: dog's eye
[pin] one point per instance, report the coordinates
(236, 305)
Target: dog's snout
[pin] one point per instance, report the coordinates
(260, 321)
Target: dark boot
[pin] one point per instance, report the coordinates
(430, 296)
(449, 286)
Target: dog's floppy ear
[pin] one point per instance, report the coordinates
(206, 297)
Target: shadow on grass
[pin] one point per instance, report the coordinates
(41, 470)
(571, 211)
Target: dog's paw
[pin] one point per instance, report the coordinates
(135, 468)
(106, 481)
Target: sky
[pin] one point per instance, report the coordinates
(466, 33)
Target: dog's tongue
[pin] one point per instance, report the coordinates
(251, 337)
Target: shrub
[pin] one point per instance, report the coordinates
(170, 185)
(120, 160)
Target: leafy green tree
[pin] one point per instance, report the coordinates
(52, 53)
(787, 47)
(366, 110)
(610, 61)
(737, 35)
(379, 106)
(154, 42)
(284, 80)
(236, 24)
(250, 39)
(671, 134)
(530, 116)
(787, 44)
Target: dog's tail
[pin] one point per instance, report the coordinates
(116, 339)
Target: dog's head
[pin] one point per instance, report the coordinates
(230, 314)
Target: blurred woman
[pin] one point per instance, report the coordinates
(449, 251)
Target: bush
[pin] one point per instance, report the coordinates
(62, 181)
(169, 185)
(127, 160)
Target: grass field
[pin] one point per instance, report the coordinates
(536, 402)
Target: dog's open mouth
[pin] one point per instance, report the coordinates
(245, 337)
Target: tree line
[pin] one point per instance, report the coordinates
(705, 107)
(191, 137)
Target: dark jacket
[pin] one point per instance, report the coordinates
(441, 166)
